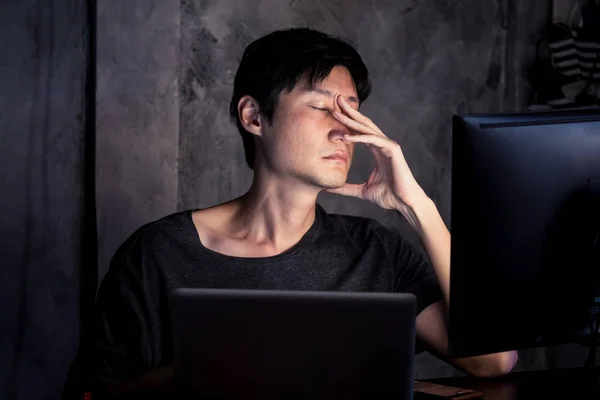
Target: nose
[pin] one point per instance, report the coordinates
(337, 135)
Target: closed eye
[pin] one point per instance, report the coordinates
(320, 109)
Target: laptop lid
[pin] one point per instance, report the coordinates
(290, 344)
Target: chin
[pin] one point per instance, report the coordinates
(324, 179)
(330, 181)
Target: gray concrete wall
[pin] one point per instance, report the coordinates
(137, 124)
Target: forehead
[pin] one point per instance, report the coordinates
(339, 81)
(340, 77)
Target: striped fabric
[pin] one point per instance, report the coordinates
(571, 75)
(563, 51)
(587, 44)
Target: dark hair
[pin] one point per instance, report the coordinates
(279, 60)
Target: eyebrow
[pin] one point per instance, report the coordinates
(329, 94)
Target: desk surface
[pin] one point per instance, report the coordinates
(565, 384)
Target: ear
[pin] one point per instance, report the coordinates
(250, 117)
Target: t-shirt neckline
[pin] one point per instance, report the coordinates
(307, 237)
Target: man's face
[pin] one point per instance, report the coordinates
(305, 141)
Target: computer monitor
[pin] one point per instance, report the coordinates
(525, 223)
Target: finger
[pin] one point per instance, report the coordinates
(349, 189)
(378, 141)
(351, 123)
(385, 145)
(356, 115)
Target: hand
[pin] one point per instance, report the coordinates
(391, 185)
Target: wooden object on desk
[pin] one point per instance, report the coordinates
(428, 390)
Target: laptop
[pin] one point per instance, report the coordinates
(262, 344)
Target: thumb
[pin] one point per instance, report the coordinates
(349, 189)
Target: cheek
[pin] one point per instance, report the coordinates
(287, 142)
(297, 137)
(299, 130)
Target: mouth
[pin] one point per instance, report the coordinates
(338, 156)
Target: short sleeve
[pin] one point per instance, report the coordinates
(414, 274)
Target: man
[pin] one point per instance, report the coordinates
(295, 102)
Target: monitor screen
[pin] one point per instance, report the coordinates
(525, 222)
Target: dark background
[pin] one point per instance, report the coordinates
(96, 142)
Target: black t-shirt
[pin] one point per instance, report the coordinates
(338, 253)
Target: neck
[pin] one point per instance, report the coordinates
(275, 212)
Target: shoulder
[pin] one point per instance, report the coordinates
(153, 240)
(173, 226)
(141, 263)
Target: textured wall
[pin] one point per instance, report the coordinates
(42, 76)
(137, 124)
